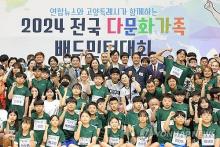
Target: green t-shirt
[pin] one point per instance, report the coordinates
(39, 126)
(211, 83)
(54, 138)
(157, 94)
(215, 105)
(42, 85)
(178, 70)
(69, 92)
(103, 118)
(209, 134)
(12, 128)
(21, 140)
(114, 138)
(182, 107)
(143, 134)
(97, 123)
(121, 117)
(179, 136)
(132, 118)
(80, 101)
(98, 93)
(18, 100)
(69, 124)
(161, 117)
(86, 135)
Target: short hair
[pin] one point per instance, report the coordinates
(28, 120)
(77, 85)
(30, 56)
(20, 74)
(204, 58)
(2, 67)
(143, 112)
(74, 56)
(168, 95)
(38, 102)
(191, 59)
(191, 54)
(172, 77)
(39, 54)
(151, 53)
(196, 92)
(205, 110)
(113, 52)
(54, 58)
(181, 50)
(99, 75)
(71, 100)
(150, 81)
(100, 100)
(67, 55)
(145, 59)
(136, 53)
(35, 68)
(214, 90)
(179, 113)
(92, 104)
(124, 54)
(4, 58)
(137, 99)
(66, 77)
(114, 70)
(85, 111)
(12, 58)
(113, 99)
(180, 92)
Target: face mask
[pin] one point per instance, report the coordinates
(65, 83)
(67, 60)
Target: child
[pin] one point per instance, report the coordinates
(85, 134)
(207, 133)
(34, 95)
(161, 116)
(76, 90)
(38, 82)
(95, 121)
(51, 104)
(181, 136)
(114, 84)
(98, 90)
(53, 136)
(25, 136)
(193, 102)
(113, 136)
(68, 120)
(113, 102)
(10, 128)
(132, 116)
(179, 105)
(19, 94)
(142, 132)
(40, 120)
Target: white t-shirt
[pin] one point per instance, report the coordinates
(51, 108)
(114, 88)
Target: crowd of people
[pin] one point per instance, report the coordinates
(154, 101)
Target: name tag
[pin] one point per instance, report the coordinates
(40, 124)
(179, 139)
(163, 122)
(84, 141)
(141, 74)
(69, 124)
(18, 100)
(52, 140)
(113, 141)
(77, 111)
(141, 141)
(215, 110)
(25, 142)
(95, 98)
(208, 140)
(176, 71)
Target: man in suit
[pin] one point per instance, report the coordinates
(137, 71)
(74, 71)
(155, 69)
(114, 61)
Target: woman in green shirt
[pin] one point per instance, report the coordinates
(113, 136)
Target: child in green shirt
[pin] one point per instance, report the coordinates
(25, 136)
(41, 119)
(68, 120)
(10, 127)
(53, 136)
(207, 133)
(181, 136)
(95, 121)
(142, 132)
(85, 134)
(114, 136)
(19, 94)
